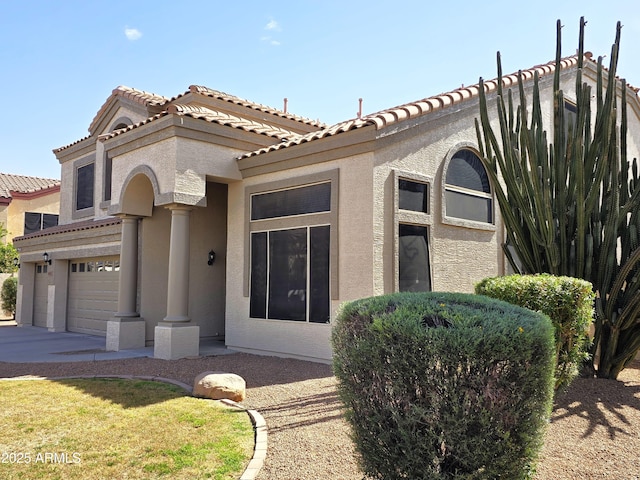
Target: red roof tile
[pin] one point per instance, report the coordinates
(23, 184)
(140, 97)
(204, 113)
(72, 227)
(201, 90)
(425, 106)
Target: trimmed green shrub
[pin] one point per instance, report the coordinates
(444, 386)
(8, 295)
(567, 301)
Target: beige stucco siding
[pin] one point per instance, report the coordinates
(206, 283)
(14, 213)
(355, 269)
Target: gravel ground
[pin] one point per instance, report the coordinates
(594, 431)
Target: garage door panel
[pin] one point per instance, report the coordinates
(93, 294)
(41, 296)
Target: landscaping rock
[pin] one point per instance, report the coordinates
(218, 385)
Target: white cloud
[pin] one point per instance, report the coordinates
(270, 41)
(132, 33)
(273, 25)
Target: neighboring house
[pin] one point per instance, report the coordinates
(28, 204)
(205, 215)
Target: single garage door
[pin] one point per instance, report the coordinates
(41, 296)
(93, 294)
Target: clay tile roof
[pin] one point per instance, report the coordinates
(212, 116)
(60, 149)
(21, 184)
(204, 113)
(72, 227)
(299, 139)
(115, 133)
(201, 90)
(411, 110)
(141, 97)
(393, 115)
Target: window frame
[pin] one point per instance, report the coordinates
(308, 274)
(411, 217)
(87, 211)
(41, 221)
(445, 187)
(329, 218)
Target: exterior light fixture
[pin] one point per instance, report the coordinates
(16, 262)
(45, 258)
(212, 257)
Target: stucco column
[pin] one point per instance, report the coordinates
(128, 284)
(127, 330)
(176, 336)
(178, 291)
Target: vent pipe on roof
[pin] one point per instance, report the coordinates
(285, 104)
(359, 108)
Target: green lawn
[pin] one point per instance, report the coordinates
(114, 428)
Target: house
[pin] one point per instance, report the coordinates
(28, 204)
(206, 215)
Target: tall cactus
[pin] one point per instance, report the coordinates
(572, 206)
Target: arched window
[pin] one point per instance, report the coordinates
(467, 188)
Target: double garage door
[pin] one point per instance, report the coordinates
(93, 294)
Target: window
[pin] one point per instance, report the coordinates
(108, 173)
(34, 222)
(84, 186)
(413, 195)
(290, 274)
(290, 258)
(97, 266)
(412, 219)
(413, 259)
(467, 188)
(570, 118)
(293, 201)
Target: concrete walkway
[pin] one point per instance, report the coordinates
(36, 344)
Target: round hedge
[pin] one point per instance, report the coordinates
(443, 386)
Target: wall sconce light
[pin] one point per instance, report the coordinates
(45, 258)
(16, 262)
(211, 258)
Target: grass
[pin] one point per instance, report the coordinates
(116, 428)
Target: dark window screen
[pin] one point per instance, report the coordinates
(84, 187)
(49, 220)
(413, 196)
(414, 268)
(470, 207)
(108, 168)
(294, 201)
(466, 170)
(319, 274)
(288, 274)
(32, 222)
(258, 303)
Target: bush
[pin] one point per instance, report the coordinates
(444, 386)
(8, 295)
(567, 301)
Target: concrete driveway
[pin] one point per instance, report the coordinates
(36, 344)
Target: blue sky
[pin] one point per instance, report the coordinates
(61, 59)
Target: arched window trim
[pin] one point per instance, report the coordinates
(462, 222)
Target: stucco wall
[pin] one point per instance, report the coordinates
(355, 268)
(206, 283)
(49, 203)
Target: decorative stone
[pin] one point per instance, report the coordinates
(218, 385)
